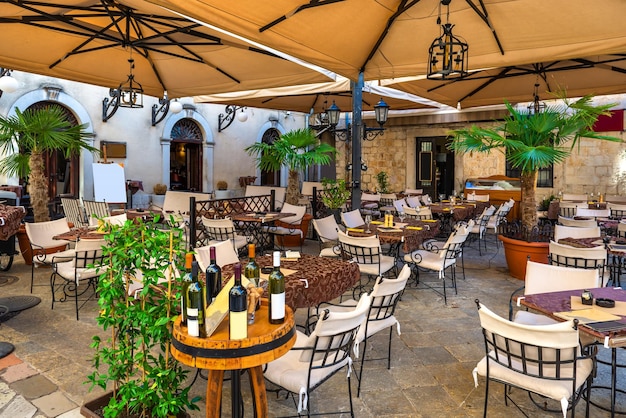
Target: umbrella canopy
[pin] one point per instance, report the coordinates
(316, 98)
(390, 38)
(598, 75)
(91, 41)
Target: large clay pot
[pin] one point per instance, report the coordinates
(518, 251)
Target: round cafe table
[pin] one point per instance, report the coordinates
(217, 353)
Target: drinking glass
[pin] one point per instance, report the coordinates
(368, 219)
(401, 216)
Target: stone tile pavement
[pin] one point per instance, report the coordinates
(430, 374)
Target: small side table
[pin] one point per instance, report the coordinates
(217, 353)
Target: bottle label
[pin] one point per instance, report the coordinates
(238, 325)
(278, 305)
(193, 328)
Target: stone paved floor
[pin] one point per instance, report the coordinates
(430, 374)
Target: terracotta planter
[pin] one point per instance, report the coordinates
(24, 242)
(88, 409)
(295, 241)
(518, 251)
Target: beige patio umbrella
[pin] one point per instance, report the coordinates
(390, 38)
(317, 97)
(91, 41)
(597, 75)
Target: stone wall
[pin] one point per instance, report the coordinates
(594, 166)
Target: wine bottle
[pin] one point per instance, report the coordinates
(238, 308)
(252, 270)
(186, 281)
(195, 305)
(276, 290)
(213, 277)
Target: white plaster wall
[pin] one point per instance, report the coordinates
(147, 156)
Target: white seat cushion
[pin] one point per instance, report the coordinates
(386, 263)
(430, 260)
(554, 389)
(330, 251)
(60, 256)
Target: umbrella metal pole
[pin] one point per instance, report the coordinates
(357, 121)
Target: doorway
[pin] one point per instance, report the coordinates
(435, 166)
(270, 178)
(186, 156)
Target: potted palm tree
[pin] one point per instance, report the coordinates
(139, 294)
(24, 139)
(297, 150)
(532, 140)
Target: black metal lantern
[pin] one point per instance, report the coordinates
(447, 56)
(333, 113)
(382, 112)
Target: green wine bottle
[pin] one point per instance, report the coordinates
(238, 308)
(186, 281)
(196, 326)
(252, 270)
(276, 290)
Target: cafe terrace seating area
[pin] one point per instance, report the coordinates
(419, 365)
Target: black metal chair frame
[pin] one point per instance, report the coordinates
(71, 288)
(364, 255)
(547, 362)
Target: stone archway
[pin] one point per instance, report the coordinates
(203, 138)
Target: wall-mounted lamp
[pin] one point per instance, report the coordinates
(363, 166)
(381, 110)
(128, 94)
(225, 120)
(159, 111)
(7, 83)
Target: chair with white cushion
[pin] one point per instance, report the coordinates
(367, 253)
(581, 258)
(413, 192)
(578, 223)
(399, 205)
(224, 254)
(79, 274)
(540, 359)
(387, 202)
(326, 229)
(618, 211)
(413, 201)
(573, 197)
(568, 209)
(561, 231)
(385, 297)
(352, 219)
(316, 357)
(593, 213)
(561, 279)
(440, 261)
(218, 230)
(370, 204)
(420, 213)
(40, 235)
(292, 225)
(479, 230)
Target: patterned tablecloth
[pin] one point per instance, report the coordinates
(410, 237)
(459, 211)
(10, 219)
(316, 280)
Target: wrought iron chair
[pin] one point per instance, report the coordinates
(218, 230)
(561, 231)
(581, 258)
(352, 219)
(86, 265)
(367, 253)
(439, 261)
(328, 238)
(317, 357)
(385, 297)
(542, 359)
(292, 225)
(40, 235)
(95, 210)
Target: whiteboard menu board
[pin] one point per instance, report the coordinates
(109, 183)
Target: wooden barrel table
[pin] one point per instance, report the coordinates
(217, 353)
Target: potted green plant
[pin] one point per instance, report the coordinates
(24, 140)
(532, 140)
(335, 194)
(221, 190)
(382, 178)
(135, 360)
(297, 150)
